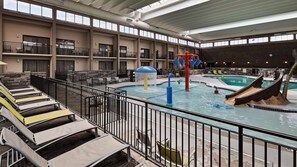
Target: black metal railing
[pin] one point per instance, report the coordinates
(77, 51)
(104, 53)
(164, 135)
(129, 54)
(23, 47)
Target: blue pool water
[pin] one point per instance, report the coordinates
(244, 81)
(201, 99)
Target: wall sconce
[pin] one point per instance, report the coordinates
(286, 62)
(18, 60)
(248, 62)
(266, 62)
(77, 61)
(78, 42)
(233, 62)
(270, 55)
(17, 35)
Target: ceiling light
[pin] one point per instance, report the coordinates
(266, 62)
(260, 20)
(286, 62)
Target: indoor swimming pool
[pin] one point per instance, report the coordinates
(201, 99)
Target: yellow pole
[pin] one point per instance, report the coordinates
(145, 82)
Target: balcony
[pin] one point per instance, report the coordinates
(104, 53)
(161, 57)
(23, 47)
(76, 51)
(128, 55)
(146, 56)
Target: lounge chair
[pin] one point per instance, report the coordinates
(20, 92)
(22, 100)
(208, 72)
(49, 134)
(144, 140)
(36, 118)
(173, 155)
(87, 154)
(25, 106)
(214, 72)
(220, 72)
(17, 90)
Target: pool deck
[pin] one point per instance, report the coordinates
(292, 94)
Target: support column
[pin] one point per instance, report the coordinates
(154, 53)
(53, 63)
(117, 52)
(91, 43)
(138, 53)
(1, 34)
(167, 56)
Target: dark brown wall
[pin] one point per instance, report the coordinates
(256, 54)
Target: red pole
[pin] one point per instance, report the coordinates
(187, 71)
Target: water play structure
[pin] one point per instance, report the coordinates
(169, 91)
(186, 60)
(255, 94)
(147, 75)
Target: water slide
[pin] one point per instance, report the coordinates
(255, 94)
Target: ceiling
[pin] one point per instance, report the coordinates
(182, 18)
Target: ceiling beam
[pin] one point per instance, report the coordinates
(249, 22)
(173, 8)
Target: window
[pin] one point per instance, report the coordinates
(70, 17)
(172, 39)
(282, 38)
(181, 41)
(28, 8)
(105, 50)
(65, 47)
(197, 45)
(86, 21)
(238, 42)
(105, 25)
(10, 5)
(74, 18)
(161, 37)
(147, 34)
(36, 66)
(128, 30)
(258, 40)
(221, 43)
(123, 51)
(144, 53)
(145, 63)
(36, 10)
(191, 43)
(47, 12)
(63, 66)
(105, 65)
(23, 7)
(61, 15)
(36, 45)
(205, 45)
(78, 19)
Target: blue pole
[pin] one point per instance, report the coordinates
(169, 91)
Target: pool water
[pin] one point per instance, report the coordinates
(201, 99)
(244, 81)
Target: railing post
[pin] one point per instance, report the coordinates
(104, 112)
(66, 86)
(56, 91)
(240, 146)
(81, 100)
(146, 129)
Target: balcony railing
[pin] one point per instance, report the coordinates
(161, 57)
(104, 53)
(165, 135)
(78, 51)
(146, 56)
(20, 47)
(129, 54)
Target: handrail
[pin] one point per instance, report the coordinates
(256, 84)
(232, 123)
(272, 90)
